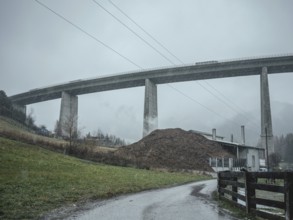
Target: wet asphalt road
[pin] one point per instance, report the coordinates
(191, 201)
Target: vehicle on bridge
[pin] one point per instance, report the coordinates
(206, 62)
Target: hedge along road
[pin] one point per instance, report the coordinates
(191, 201)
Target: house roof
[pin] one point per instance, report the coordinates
(234, 144)
(207, 134)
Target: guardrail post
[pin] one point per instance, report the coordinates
(288, 184)
(249, 191)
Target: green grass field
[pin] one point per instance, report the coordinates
(34, 180)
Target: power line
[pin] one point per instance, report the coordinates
(148, 34)
(234, 106)
(126, 26)
(117, 19)
(159, 43)
(194, 100)
(88, 34)
(113, 50)
(207, 108)
(220, 99)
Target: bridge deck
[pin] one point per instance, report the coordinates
(198, 71)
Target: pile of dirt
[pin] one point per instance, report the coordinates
(173, 149)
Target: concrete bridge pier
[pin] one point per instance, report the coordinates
(20, 108)
(266, 118)
(150, 119)
(68, 114)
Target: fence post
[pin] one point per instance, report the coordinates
(288, 184)
(249, 191)
(234, 189)
(219, 185)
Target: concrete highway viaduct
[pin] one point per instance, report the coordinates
(69, 92)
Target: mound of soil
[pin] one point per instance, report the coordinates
(173, 149)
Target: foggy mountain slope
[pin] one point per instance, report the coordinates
(282, 120)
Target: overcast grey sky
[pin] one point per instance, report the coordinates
(38, 49)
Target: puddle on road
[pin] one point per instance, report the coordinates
(208, 200)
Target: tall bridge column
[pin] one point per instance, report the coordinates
(150, 120)
(68, 114)
(20, 108)
(266, 118)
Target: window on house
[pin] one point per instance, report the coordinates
(213, 162)
(219, 162)
(226, 162)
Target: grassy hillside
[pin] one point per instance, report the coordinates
(14, 130)
(34, 180)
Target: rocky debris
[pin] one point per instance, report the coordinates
(173, 149)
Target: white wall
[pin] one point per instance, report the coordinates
(253, 159)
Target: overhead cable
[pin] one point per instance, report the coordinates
(88, 34)
(147, 33)
(124, 57)
(168, 51)
(131, 30)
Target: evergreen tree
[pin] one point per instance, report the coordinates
(289, 148)
(5, 105)
(7, 110)
(284, 147)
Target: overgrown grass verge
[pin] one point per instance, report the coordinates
(15, 131)
(34, 180)
(233, 209)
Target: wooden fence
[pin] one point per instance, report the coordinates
(243, 189)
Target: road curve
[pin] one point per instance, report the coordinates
(191, 201)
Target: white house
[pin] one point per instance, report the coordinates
(245, 156)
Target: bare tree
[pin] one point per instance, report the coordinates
(57, 129)
(69, 129)
(30, 120)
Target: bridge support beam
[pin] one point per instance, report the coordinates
(68, 115)
(266, 118)
(150, 120)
